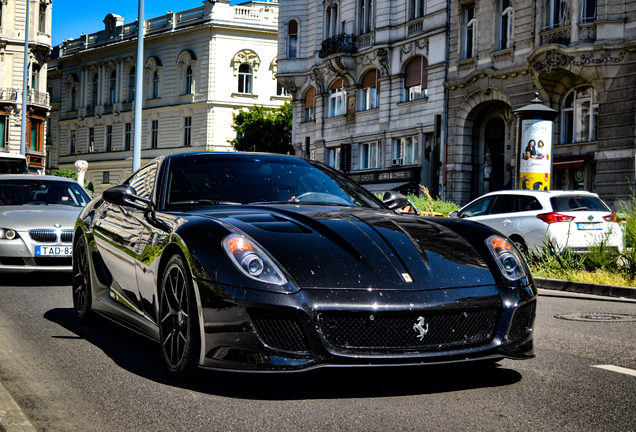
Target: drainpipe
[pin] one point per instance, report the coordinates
(444, 149)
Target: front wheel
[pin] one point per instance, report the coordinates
(82, 293)
(178, 326)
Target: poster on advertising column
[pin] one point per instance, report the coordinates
(535, 165)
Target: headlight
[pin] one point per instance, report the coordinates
(252, 261)
(508, 258)
(7, 234)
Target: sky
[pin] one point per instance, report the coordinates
(71, 18)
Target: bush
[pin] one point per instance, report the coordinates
(429, 206)
(67, 173)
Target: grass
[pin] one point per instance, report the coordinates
(598, 276)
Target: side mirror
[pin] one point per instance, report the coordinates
(125, 195)
(394, 200)
(454, 214)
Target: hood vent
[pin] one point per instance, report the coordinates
(272, 223)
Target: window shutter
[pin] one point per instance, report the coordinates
(293, 27)
(369, 79)
(413, 73)
(337, 84)
(424, 73)
(309, 98)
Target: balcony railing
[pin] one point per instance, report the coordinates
(559, 35)
(341, 44)
(33, 97)
(366, 40)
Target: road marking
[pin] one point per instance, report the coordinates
(11, 416)
(618, 369)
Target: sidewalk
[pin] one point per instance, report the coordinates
(586, 288)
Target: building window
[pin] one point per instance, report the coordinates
(42, 20)
(370, 155)
(588, 11)
(245, 78)
(106, 177)
(109, 138)
(91, 139)
(331, 21)
(73, 104)
(310, 110)
(556, 13)
(187, 131)
(505, 24)
(36, 135)
(155, 85)
(337, 100)
(292, 39)
(189, 81)
(405, 151)
(113, 87)
(94, 91)
(580, 115)
(416, 79)
(333, 157)
(470, 31)
(131, 84)
(128, 136)
(280, 90)
(3, 129)
(416, 9)
(369, 94)
(35, 78)
(154, 134)
(365, 16)
(71, 144)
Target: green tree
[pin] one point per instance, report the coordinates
(263, 129)
(68, 173)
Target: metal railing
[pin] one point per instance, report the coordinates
(340, 44)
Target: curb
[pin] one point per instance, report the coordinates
(586, 288)
(12, 419)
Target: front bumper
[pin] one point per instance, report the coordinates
(18, 256)
(252, 330)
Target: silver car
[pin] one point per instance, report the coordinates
(37, 215)
(573, 219)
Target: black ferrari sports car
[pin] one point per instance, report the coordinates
(261, 262)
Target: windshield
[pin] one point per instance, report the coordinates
(577, 203)
(42, 192)
(258, 179)
(12, 166)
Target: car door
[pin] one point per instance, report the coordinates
(492, 211)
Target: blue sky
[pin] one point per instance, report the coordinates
(71, 18)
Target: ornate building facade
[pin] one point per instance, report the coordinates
(12, 34)
(579, 55)
(200, 66)
(367, 84)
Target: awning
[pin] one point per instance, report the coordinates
(570, 161)
(383, 186)
(568, 164)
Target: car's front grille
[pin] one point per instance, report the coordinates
(279, 330)
(43, 236)
(424, 331)
(53, 261)
(522, 321)
(67, 236)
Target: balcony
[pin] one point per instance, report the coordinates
(33, 98)
(558, 35)
(344, 44)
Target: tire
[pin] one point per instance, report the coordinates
(82, 292)
(179, 332)
(521, 245)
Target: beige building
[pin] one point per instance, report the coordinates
(200, 66)
(12, 34)
(367, 80)
(579, 55)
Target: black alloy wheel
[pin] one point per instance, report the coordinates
(521, 245)
(179, 326)
(82, 294)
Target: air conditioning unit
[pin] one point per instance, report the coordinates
(398, 161)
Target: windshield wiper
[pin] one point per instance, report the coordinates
(579, 209)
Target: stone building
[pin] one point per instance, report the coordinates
(12, 34)
(367, 81)
(200, 66)
(579, 56)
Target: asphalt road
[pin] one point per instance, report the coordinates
(66, 377)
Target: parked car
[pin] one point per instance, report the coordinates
(573, 219)
(260, 262)
(37, 214)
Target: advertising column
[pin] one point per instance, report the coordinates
(535, 166)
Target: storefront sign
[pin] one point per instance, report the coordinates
(535, 166)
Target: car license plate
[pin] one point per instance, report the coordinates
(584, 226)
(53, 250)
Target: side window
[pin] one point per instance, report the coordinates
(503, 204)
(529, 203)
(479, 208)
(144, 181)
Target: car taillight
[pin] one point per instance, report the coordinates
(611, 217)
(553, 217)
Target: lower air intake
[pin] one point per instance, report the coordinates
(279, 330)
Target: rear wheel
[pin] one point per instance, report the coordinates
(82, 293)
(520, 243)
(179, 326)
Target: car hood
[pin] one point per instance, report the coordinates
(325, 247)
(38, 216)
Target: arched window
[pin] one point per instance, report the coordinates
(131, 84)
(155, 85)
(113, 87)
(310, 110)
(370, 92)
(416, 79)
(292, 39)
(580, 115)
(337, 98)
(245, 78)
(94, 91)
(189, 80)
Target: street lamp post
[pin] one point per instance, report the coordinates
(25, 82)
(138, 88)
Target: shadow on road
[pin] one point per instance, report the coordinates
(36, 279)
(141, 356)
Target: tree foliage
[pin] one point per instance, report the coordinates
(264, 129)
(67, 173)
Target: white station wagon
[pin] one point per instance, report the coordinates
(573, 219)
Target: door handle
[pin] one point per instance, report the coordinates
(506, 221)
